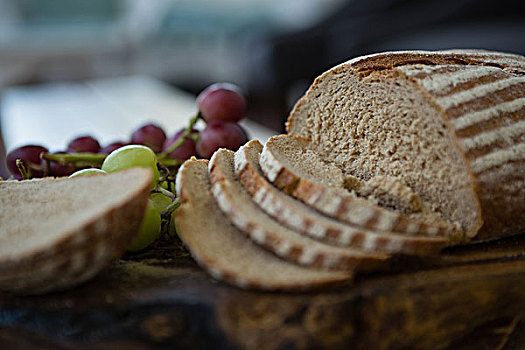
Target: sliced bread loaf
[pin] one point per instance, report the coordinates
(300, 217)
(451, 123)
(225, 252)
(246, 215)
(292, 166)
(57, 233)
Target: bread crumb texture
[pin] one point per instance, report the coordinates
(449, 125)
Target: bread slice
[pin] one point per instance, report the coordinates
(246, 215)
(300, 217)
(292, 166)
(225, 252)
(79, 265)
(57, 233)
(451, 123)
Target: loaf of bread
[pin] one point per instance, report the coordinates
(393, 153)
(449, 124)
(57, 233)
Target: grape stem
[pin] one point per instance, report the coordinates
(170, 208)
(187, 134)
(94, 159)
(166, 213)
(170, 162)
(165, 192)
(22, 169)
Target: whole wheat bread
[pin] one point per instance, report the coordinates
(300, 217)
(56, 233)
(450, 123)
(292, 166)
(244, 213)
(225, 252)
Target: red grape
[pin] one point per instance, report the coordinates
(84, 144)
(30, 155)
(185, 150)
(111, 147)
(221, 102)
(150, 135)
(56, 169)
(216, 135)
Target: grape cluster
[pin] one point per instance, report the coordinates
(220, 106)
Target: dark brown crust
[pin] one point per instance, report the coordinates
(389, 60)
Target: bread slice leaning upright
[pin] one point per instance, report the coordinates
(290, 163)
(302, 218)
(225, 252)
(450, 123)
(57, 233)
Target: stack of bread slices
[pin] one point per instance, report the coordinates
(392, 153)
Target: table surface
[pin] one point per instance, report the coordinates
(468, 297)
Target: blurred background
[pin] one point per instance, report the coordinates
(104, 66)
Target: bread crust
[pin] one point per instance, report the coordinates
(82, 253)
(320, 227)
(483, 106)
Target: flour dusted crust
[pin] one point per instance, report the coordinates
(237, 204)
(479, 97)
(302, 218)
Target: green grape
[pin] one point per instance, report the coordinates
(149, 229)
(88, 172)
(160, 201)
(132, 156)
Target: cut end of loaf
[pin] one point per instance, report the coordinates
(381, 124)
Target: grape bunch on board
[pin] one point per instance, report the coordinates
(221, 106)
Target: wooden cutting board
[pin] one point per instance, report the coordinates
(470, 297)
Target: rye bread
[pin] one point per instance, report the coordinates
(452, 123)
(246, 215)
(57, 233)
(300, 217)
(225, 252)
(289, 163)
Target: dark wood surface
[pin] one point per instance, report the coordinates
(470, 297)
